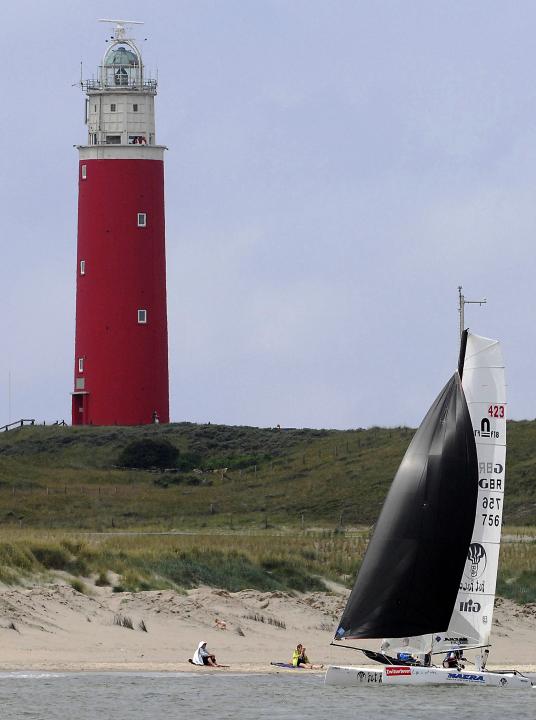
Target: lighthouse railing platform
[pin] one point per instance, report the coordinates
(149, 85)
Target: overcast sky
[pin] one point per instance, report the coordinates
(335, 170)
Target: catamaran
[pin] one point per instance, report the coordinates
(426, 586)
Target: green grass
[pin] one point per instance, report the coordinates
(67, 477)
(265, 508)
(517, 568)
(290, 561)
(62, 477)
(145, 562)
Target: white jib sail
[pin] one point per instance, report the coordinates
(485, 391)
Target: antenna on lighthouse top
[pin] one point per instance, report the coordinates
(120, 29)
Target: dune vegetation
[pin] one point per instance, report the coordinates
(288, 561)
(222, 477)
(240, 507)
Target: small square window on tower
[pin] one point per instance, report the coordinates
(142, 317)
(135, 107)
(142, 219)
(112, 107)
(84, 172)
(82, 267)
(81, 365)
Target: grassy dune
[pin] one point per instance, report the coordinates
(232, 561)
(250, 477)
(264, 508)
(296, 561)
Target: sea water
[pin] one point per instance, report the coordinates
(300, 696)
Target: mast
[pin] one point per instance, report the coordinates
(462, 302)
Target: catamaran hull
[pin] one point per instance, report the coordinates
(351, 676)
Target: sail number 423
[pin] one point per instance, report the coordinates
(496, 411)
(491, 520)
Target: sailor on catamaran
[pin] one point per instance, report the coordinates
(453, 659)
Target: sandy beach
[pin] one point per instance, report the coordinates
(55, 628)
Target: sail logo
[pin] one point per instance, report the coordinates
(470, 606)
(485, 428)
(470, 677)
(476, 561)
(486, 431)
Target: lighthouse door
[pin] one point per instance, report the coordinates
(80, 403)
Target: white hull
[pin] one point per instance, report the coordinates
(352, 676)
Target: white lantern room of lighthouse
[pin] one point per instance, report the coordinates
(120, 102)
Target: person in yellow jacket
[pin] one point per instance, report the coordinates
(300, 659)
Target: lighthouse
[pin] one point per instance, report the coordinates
(121, 346)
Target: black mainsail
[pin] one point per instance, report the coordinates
(410, 575)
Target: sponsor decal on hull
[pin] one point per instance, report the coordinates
(404, 670)
(468, 677)
(369, 677)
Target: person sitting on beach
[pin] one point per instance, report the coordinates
(203, 657)
(300, 659)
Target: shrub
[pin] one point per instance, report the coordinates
(14, 556)
(290, 574)
(188, 461)
(79, 586)
(124, 621)
(56, 557)
(144, 454)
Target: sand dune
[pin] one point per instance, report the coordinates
(57, 628)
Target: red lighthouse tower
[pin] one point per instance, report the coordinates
(121, 349)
